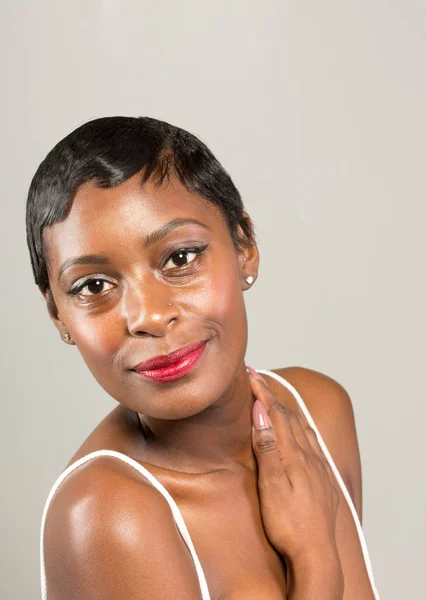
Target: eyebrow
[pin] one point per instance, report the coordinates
(149, 240)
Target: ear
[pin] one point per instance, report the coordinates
(54, 314)
(249, 257)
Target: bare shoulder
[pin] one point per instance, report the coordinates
(332, 411)
(110, 533)
(320, 392)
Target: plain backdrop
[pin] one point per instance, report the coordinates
(317, 110)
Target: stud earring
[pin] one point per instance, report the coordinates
(66, 336)
(250, 279)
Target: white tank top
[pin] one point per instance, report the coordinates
(176, 512)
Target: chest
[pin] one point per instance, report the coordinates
(226, 528)
(223, 518)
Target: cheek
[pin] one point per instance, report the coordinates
(99, 342)
(224, 303)
(228, 298)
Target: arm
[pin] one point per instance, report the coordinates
(332, 411)
(112, 536)
(298, 500)
(319, 578)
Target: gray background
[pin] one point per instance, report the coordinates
(317, 109)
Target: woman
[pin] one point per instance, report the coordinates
(142, 249)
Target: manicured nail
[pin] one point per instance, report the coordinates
(257, 375)
(260, 416)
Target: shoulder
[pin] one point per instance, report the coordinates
(331, 408)
(105, 524)
(96, 503)
(320, 392)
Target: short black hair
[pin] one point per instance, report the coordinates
(110, 150)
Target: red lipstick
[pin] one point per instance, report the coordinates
(171, 366)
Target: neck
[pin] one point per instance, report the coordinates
(218, 438)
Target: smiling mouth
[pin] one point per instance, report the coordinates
(177, 369)
(170, 359)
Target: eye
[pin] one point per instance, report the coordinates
(95, 285)
(180, 257)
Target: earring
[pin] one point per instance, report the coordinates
(66, 336)
(169, 304)
(250, 278)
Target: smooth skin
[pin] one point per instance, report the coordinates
(109, 533)
(298, 500)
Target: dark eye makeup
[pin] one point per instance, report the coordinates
(76, 288)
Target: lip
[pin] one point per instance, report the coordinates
(168, 360)
(178, 369)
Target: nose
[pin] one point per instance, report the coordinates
(149, 309)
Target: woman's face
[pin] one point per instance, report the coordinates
(116, 306)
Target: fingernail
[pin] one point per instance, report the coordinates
(260, 416)
(257, 375)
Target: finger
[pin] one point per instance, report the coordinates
(299, 431)
(313, 439)
(268, 399)
(263, 393)
(306, 437)
(291, 430)
(292, 443)
(336, 498)
(265, 445)
(278, 415)
(260, 388)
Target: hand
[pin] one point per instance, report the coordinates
(297, 497)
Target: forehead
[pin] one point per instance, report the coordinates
(107, 216)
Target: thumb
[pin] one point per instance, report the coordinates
(264, 438)
(265, 445)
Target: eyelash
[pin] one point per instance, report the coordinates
(76, 289)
